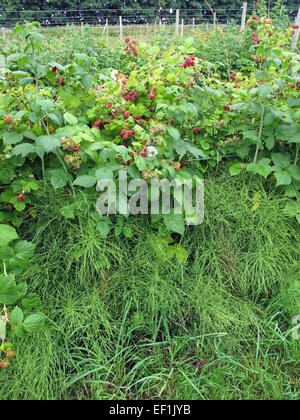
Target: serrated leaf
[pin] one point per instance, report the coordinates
(33, 323)
(16, 316)
(12, 137)
(31, 301)
(7, 234)
(24, 250)
(174, 223)
(86, 181)
(70, 119)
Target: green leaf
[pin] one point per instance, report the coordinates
(31, 301)
(16, 316)
(86, 181)
(280, 160)
(12, 138)
(20, 331)
(294, 171)
(21, 289)
(70, 119)
(68, 212)
(282, 177)
(174, 223)
(6, 252)
(181, 255)
(33, 323)
(235, 169)
(59, 178)
(48, 143)
(103, 227)
(24, 250)
(23, 149)
(7, 234)
(8, 294)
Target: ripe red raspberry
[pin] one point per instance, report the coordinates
(76, 150)
(264, 59)
(109, 104)
(132, 155)
(131, 132)
(127, 39)
(124, 82)
(177, 168)
(54, 69)
(154, 87)
(123, 131)
(182, 164)
(96, 123)
(152, 95)
(195, 130)
(126, 114)
(135, 54)
(125, 137)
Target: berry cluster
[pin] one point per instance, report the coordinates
(126, 134)
(69, 144)
(129, 95)
(4, 363)
(189, 61)
(255, 40)
(131, 46)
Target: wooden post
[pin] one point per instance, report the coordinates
(106, 23)
(297, 31)
(244, 15)
(181, 35)
(81, 28)
(215, 21)
(121, 28)
(193, 24)
(177, 22)
(3, 32)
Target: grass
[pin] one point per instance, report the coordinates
(125, 322)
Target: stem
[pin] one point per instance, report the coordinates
(260, 133)
(297, 152)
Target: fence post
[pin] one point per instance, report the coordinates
(177, 22)
(81, 28)
(106, 23)
(3, 32)
(215, 21)
(244, 14)
(297, 31)
(193, 24)
(182, 23)
(121, 28)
